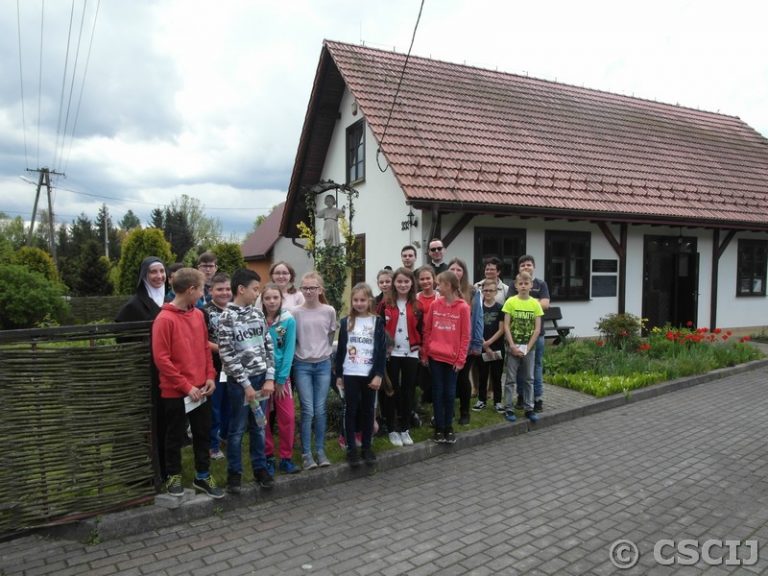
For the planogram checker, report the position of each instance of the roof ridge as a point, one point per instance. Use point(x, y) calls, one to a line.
point(655, 103)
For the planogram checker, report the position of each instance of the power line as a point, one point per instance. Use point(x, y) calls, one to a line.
point(82, 85)
point(21, 83)
point(397, 91)
point(40, 82)
point(63, 83)
point(60, 152)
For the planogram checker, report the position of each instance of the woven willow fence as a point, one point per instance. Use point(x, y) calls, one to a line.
point(75, 415)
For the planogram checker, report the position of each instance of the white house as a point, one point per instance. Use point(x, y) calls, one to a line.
point(627, 205)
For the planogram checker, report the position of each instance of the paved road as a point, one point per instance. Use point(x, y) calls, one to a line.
point(692, 464)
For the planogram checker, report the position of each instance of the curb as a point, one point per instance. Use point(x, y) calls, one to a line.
point(194, 507)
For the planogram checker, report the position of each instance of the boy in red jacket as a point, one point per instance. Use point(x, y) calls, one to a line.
point(184, 362)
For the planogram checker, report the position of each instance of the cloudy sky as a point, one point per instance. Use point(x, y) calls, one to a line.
point(208, 98)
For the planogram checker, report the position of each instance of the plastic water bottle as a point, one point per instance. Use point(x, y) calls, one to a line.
point(258, 413)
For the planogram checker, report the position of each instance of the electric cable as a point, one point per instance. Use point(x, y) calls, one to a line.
point(63, 86)
point(21, 84)
point(397, 91)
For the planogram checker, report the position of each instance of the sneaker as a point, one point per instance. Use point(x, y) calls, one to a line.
point(353, 458)
point(538, 405)
point(308, 462)
point(395, 439)
point(208, 485)
point(264, 479)
point(358, 439)
point(287, 466)
point(233, 483)
point(479, 405)
point(271, 465)
point(509, 415)
point(519, 401)
point(438, 437)
point(216, 454)
point(322, 460)
point(405, 438)
point(173, 485)
point(342, 442)
point(450, 437)
point(499, 407)
point(369, 457)
point(464, 419)
point(532, 416)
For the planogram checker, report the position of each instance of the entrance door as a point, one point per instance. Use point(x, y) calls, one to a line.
point(670, 280)
point(507, 244)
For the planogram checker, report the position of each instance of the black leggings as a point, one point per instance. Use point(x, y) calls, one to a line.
point(402, 373)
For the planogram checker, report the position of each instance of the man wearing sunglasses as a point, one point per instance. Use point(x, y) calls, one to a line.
point(437, 255)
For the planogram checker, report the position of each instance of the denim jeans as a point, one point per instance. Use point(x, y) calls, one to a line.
point(240, 419)
point(313, 380)
point(518, 368)
point(443, 393)
point(538, 372)
point(219, 414)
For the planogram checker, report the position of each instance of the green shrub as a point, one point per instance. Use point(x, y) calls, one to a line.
point(600, 385)
point(229, 257)
point(37, 260)
point(27, 298)
point(139, 244)
point(620, 330)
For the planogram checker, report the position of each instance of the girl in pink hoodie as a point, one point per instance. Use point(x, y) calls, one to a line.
point(444, 349)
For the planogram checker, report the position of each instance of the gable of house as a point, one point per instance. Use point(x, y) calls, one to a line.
point(480, 141)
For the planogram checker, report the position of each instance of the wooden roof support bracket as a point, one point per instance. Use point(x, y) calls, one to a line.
point(718, 249)
point(620, 247)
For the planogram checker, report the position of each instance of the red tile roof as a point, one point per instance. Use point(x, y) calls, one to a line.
point(259, 243)
point(492, 141)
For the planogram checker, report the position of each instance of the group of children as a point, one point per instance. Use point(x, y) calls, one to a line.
point(260, 343)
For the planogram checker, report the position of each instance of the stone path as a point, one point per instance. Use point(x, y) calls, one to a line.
point(690, 464)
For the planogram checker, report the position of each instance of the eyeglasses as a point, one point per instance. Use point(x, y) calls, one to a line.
point(436, 249)
point(490, 290)
point(207, 266)
point(309, 288)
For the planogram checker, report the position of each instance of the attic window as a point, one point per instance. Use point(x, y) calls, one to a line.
point(751, 268)
point(356, 152)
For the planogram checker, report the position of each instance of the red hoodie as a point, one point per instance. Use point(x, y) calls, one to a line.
point(181, 352)
point(447, 332)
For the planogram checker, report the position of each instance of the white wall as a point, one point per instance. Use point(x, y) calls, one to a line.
point(381, 208)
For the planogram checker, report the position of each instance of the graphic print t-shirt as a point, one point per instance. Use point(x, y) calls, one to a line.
point(359, 358)
point(491, 319)
point(523, 315)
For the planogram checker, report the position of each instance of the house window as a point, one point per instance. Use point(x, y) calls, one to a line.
point(751, 267)
point(567, 264)
point(356, 152)
point(506, 244)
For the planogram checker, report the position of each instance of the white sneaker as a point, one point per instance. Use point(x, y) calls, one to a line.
point(395, 439)
point(406, 439)
point(499, 408)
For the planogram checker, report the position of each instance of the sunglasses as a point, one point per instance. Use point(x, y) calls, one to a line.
point(436, 249)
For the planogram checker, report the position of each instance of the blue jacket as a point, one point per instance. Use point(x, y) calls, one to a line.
point(476, 337)
point(283, 333)
point(379, 348)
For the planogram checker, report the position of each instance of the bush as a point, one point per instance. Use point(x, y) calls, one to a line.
point(27, 298)
point(229, 257)
point(138, 244)
point(620, 330)
point(37, 260)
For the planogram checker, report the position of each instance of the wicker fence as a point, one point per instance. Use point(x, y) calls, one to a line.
point(89, 309)
point(76, 426)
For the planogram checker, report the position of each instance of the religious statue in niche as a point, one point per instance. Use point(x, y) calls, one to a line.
point(330, 215)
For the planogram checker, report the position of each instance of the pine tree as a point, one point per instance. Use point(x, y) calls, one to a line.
point(129, 221)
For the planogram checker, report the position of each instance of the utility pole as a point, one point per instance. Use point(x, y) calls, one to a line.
point(44, 179)
point(106, 229)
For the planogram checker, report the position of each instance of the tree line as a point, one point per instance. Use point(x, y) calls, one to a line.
point(98, 258)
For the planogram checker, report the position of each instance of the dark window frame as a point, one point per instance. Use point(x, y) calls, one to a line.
point(355, 144)
point(561, 270)
point(751, 266)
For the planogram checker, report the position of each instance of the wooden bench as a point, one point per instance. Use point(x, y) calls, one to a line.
point(553, 330)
